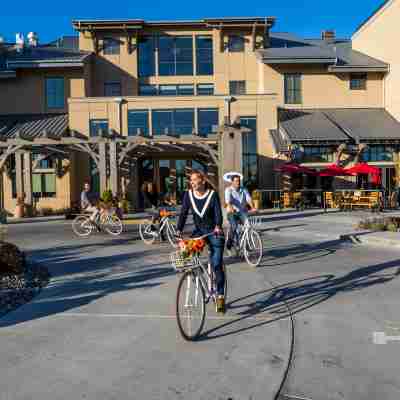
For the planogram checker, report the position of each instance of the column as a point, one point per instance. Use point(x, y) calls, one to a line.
point(114, 169)
point(28, 177)
point(102, 167)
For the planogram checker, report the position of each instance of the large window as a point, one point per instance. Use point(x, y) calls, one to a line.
point(96, 125)
point(179, 121)
point(44, 184)
point(236, 44)
point(237, 87)
point(146, 55)
point(110, 46)
point(148, 90)
point(249, 152)
point(205, 89)
point(55, 96)
point(204, 55)
point(138, 122)
point(207, 120)
point(112, 89)
point(176, 90)
point(358, 81)
point(318, 154)
point(377, 153)
point(293, 89)
point(175, 55)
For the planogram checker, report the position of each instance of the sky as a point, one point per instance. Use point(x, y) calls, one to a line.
point(306, 18)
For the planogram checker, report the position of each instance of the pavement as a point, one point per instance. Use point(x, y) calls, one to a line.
point(301, 324)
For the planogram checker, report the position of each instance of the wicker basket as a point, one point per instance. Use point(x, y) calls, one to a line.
point(179, 262)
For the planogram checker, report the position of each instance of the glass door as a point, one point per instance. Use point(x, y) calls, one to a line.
point(181, 180)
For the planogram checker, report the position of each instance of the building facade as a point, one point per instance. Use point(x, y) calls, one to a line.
point(145, 102)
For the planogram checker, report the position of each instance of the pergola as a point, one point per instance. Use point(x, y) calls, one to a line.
point(115, 156)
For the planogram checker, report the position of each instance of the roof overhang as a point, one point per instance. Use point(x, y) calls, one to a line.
point(83, 25)
point(299, 60)
point(357, 68)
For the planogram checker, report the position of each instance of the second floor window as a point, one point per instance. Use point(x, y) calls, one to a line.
point(318, 154)
point(377, 153)
point(204, 55)
point(358, 81)
point(207, 120)
point(146, 56)
point(175, 55)
point(293, 89)
point(138, 122)
point(110, 46)
point(148, 90)
point(236, 44)
point(55, 95)
point(112, 89)
point(179, 121)
point(237, 87)
point(205, 89)
point(96, 125)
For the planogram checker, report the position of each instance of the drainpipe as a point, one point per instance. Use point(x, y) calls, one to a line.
point(119, 101)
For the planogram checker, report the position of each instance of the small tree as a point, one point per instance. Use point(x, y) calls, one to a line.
point(107, 196)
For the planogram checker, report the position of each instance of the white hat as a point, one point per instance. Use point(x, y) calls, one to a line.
point(229, 175)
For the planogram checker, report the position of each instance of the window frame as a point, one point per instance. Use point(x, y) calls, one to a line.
point(109, 83)
point(115, 47)
point(57, 105)
point(358, 81)
point(98, 120)
point(205, 94)
point(233, 90)
point(201, 125)
point(202, 50)
point(173, 121)
point(293, 95)
point(152, 56)
point(318, 154)
point(233, 47)
point(155, 87)
point(146, 129)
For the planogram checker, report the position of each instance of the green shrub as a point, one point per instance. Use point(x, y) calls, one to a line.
point(107, 196)
point(46, 211)
point(392, 227)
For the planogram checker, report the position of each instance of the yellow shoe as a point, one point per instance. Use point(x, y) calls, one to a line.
point(221, 305)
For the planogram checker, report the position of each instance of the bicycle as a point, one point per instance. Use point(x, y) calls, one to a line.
point(107, 221)
point(200, 289)
point(149, 232)
point(249, 245)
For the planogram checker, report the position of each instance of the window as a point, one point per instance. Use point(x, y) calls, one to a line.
point(44, 185)
point(318, 154)
point(47, 163)
point(249, 153)
point(293, 89)
point(237, 87)
point(138, 121)
point(377, 153)
point(180, 121)
point(110, 46)
point(205, 89)
point(55, 95)
point(96, 125)
point(207, 119)
point(176, 90)
point(148, 90)
point(112, 89)
point(358, 81)
point(175, 55)
point(236, 44)
point(204, 55)
point(146, 56)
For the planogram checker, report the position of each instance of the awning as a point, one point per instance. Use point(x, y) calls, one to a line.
point(334, 170)
point(296, 169)
point(363, 169)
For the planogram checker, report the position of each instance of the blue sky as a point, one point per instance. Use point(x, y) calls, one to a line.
point(307, 18)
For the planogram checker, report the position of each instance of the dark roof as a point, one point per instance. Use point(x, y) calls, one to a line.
point(339, 124)
point(379, 8)
point(66, 42)
point(45, 56)
point(309, 125)
point(33, 125)
point(281, 145)
point(286, 48)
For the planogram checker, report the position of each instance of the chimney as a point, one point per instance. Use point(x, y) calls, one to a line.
point(33, 39)
point(19, 42)
point(328, 36)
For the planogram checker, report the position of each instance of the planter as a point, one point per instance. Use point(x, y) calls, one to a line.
point(3, 217)
point(19, 211)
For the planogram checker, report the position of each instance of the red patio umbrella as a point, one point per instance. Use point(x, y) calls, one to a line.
point(296, 169)
point(334, 170)
point(363, 169)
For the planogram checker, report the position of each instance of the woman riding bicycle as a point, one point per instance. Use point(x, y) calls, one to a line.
point(237, 200)
point(207, 216)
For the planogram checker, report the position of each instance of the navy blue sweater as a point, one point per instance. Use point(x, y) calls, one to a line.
point(206, 212)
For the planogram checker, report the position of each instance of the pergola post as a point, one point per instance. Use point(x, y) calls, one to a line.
point(19, 173)
point(103, 166)
point(28, 178)
point(114, 169)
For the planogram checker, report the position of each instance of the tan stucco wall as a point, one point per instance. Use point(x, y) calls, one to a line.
point(26, 94)
point(378, 38)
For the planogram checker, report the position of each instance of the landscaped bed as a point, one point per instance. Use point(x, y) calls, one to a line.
point(391, 224)
point(20, 280)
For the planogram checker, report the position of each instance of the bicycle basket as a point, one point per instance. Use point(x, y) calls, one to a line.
point(179, 262)
point(255, 221)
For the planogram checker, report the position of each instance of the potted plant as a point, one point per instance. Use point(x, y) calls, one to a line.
point(20, 207)
point(256, 197)
point(3, 216)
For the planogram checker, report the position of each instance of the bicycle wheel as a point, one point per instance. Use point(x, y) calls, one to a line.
point(146, 232)
point(82, 226)
point(171, 235)
point(190, 306)
point(113, 225)
point(253, 249)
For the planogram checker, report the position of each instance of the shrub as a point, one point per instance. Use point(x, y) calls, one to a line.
point(125, 206)
point(46, 211)
point(392, 227)
point(12, 260)
point(107, 196)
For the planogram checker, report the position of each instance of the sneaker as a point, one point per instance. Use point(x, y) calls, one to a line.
point(221, 304)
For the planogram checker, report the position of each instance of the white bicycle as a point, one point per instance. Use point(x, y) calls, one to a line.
point(247, 241)
point(149, 231)
point(107, 221)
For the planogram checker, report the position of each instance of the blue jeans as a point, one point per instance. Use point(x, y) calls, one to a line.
point(234, 220)
point(216, 246)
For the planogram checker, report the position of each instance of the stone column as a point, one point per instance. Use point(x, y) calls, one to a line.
point(114, 169)
point(28, 178)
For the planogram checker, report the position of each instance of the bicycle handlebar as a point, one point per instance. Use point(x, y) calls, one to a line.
point(196, 238)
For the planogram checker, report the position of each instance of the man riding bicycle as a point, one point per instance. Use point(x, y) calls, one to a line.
point(207, 216)
point(237, 200)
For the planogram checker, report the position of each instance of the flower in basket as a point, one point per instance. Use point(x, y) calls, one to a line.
point(191, 247)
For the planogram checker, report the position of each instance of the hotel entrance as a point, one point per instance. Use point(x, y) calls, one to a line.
point(169, 178)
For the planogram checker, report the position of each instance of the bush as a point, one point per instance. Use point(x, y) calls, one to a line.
point(12, 260)
point(107, 196)
point(45, 211)
point(392, 227)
